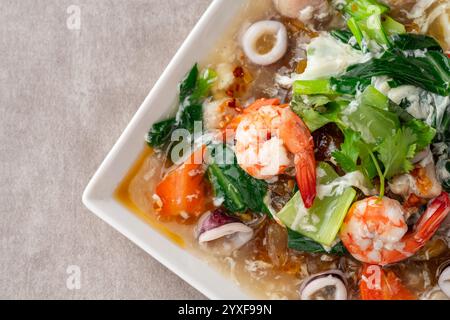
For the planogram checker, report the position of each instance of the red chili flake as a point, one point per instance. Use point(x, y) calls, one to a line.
point(230, 93)
point(232, 103)
point(238, 72)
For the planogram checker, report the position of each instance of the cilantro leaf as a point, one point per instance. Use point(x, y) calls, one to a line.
point(396, 152)
point(348, 156)
point(355, 154)
point(424, 133)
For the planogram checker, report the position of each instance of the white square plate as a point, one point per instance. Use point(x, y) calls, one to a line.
point(99, 194)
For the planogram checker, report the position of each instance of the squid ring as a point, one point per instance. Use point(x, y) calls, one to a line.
point(258, 30)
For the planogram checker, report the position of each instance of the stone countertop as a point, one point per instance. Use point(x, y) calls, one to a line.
point(65, 97)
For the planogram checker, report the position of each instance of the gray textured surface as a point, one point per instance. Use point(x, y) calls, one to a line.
point(65, 97)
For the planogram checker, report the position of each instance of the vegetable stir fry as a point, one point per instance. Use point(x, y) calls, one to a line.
point(317, 152)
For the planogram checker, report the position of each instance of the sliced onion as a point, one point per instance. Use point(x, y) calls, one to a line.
point(318, 282)
point(221, 234)
point(258, 30)
point(214, 220)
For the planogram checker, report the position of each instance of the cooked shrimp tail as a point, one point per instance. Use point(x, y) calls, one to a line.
point(430, 221)
point(299, 141)
point(306, 178)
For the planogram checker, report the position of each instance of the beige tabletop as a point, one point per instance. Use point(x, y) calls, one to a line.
point(66, 94)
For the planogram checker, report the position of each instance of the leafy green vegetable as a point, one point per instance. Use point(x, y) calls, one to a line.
point(316, 111)
point(372, 97)
point(160, 133)
point(369, 163)
point(347, 156)
point(193, 90)
point(372, 120)
point(400, 112)
point(396, 152)
point(411, 59)
point(373, 29)
point(192, 94)
point(413, 41)
point(357, 33)
point(349, 85)
point(355, 155)
point(300, 243)
point(424, 134)
point(189, 116)
point(240, 191)
point(430, 72)
point(367, 20)
point(187, 86)
point(223, 187)
point(392, 27)
point(363, 9)
point(203, 85)
point(308, 87)
point(345, 36)
point(322, 221)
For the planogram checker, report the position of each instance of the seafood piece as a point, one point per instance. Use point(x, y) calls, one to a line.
point(422, 181)
point(270, 139)
point(265, 42)
point(375, 230)
point(222, 234)
point(329, 285)
point(304, 10)
point(378, 284)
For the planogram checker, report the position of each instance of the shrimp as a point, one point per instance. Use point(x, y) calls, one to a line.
point(379, 284)
point(270, 138)
point(375, 230)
